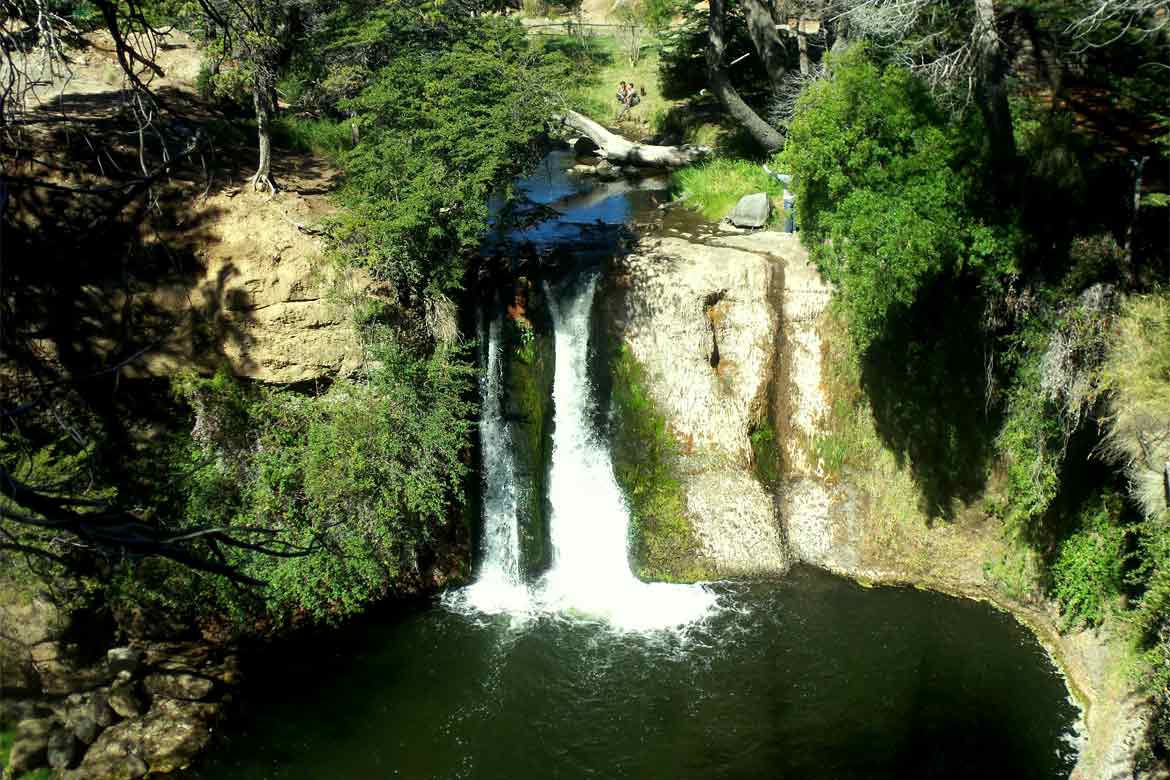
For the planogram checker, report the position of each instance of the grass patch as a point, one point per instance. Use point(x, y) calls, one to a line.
point(646, 459)
point(714, 188)
point(603, 65)
point(320, 136)
point(7, 737)
point(766, 454)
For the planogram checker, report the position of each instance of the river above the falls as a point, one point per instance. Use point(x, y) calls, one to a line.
point(810, 677)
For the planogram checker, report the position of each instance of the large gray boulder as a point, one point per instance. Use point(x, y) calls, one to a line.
point(85, 728)
point(123, 659)
point(752, 211)
point(101, 712)
point(178, 685)
point(124, 699)
point(164, 740)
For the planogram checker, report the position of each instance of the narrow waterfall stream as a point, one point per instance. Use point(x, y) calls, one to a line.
point(499, 586)
point(590, 522)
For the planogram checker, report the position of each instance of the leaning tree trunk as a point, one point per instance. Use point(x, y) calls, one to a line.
point(992, 95)
point(764, 134)
point(765, 37)
point(802, 45)
point(265, 108)
point(623, 151)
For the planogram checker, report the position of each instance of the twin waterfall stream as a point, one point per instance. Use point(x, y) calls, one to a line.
point(590, 575)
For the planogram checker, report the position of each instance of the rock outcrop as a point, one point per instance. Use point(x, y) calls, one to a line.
point(145, 709)
point(703, 320)
point(265, 302)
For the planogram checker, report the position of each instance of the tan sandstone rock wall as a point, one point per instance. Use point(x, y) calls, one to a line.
point(267, 303)
point(702, 317)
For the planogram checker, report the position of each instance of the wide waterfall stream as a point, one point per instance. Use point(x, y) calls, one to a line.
point(586, 672)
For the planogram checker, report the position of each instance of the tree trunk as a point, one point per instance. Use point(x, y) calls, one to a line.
point(991, 93)
point(1050, 65)
point(763, 133)
point(262, 97)
point(762, 29)
point(1127, 275)
point(626, 152)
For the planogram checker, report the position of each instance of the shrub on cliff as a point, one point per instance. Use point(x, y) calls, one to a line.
point(356, 483)
point(883, 180)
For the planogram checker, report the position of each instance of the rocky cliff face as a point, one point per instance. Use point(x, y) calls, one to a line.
point(265, 302)
point(702, 317)
point(732, 330)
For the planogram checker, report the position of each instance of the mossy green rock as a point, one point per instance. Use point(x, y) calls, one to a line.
point(529, 382)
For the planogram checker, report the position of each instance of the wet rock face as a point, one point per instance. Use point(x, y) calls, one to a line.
point(699, 319)
point(702, 320)
point(528, 361)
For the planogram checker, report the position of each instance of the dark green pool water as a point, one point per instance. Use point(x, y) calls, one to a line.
point(808, 678)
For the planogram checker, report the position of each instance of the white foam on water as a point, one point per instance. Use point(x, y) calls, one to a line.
point(590, 577)
point(499, 586)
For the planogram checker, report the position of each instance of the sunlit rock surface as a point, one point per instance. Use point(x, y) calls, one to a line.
point(703, 320)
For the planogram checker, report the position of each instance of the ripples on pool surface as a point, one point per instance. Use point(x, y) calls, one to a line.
point(811, 678)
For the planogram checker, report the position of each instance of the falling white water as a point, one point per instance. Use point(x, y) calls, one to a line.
point(590, 577)
point(590, 572)
point(499, 586)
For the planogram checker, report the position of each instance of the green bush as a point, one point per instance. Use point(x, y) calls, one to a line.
point(363, 477)
point(1089, 570)
point(441, 130)
point(1031, 446)
point(716, 186)
point(882, 176)
point(321, 136)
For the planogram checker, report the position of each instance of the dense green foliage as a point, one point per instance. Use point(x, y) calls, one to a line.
point(885, 179)
point(441, 129)
point(363, 477)
point(1089, 569)
point(714, 188)
point(993, 346)
point(646, 463)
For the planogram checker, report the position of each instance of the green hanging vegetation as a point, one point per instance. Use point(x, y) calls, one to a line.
point(646, 459)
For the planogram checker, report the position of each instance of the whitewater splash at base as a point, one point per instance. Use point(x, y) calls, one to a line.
point(499, 586)
point(590, 576)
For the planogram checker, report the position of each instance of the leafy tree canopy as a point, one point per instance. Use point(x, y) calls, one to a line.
point(884, 180)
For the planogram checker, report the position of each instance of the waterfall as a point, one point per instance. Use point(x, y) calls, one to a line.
point(590, 575)
point(590, 572)
point(499, 586)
